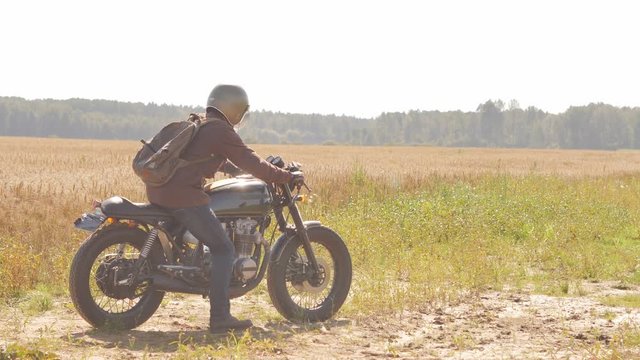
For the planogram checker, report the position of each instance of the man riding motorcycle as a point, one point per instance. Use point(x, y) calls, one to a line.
point(184, 196)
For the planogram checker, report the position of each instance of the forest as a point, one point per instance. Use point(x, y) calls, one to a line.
point(493, 124)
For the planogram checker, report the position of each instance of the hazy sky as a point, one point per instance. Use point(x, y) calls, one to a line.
point(352, 57)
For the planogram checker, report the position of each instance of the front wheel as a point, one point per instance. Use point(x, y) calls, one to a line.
point(297, 293)
point(98, 275)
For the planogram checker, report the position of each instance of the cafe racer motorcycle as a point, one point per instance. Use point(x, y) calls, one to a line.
point(137, 252)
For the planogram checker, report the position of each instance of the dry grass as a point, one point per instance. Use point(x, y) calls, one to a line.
point(47, 183)
point(63, 163)
point(397, 162)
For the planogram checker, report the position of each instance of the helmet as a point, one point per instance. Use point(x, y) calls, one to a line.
point(231, 100)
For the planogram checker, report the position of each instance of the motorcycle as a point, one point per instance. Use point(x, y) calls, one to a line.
point(137, 252)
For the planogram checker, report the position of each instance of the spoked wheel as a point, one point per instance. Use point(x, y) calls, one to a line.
point(103, 281)
point(300, 294)
point(111, 271)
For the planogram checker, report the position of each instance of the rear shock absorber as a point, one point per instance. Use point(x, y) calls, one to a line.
point(148, 244)
point(132, 279)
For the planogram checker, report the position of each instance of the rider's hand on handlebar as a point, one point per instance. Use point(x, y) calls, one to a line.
point(294, 166)
point(297, 181)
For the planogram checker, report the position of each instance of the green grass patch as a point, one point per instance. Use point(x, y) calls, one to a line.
point(457, 237)
point(36, 301)
point(631, 337)
point(629, 300)
point(17, 351)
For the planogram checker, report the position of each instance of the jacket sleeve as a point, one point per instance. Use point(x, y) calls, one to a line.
point(229, 145)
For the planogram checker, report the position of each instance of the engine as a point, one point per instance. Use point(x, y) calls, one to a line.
point(245, 236)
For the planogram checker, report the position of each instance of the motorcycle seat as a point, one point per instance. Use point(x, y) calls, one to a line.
point(121, 207)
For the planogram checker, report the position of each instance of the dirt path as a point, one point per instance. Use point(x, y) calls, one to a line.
point(496, 325)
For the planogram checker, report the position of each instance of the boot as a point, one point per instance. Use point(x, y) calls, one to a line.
point(230, 323)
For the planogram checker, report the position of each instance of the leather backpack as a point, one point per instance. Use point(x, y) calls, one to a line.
point(159, 159)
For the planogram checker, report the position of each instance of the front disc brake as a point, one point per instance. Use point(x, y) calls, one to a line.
point(319, 281)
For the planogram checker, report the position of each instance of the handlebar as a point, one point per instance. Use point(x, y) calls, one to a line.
point(278, 162)
point(293, 167)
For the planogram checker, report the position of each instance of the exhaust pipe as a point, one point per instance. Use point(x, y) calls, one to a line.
point(163, 282)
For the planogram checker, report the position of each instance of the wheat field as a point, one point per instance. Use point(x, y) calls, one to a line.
point(46, 183)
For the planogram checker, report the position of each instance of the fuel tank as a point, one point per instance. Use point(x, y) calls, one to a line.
point(241, 196)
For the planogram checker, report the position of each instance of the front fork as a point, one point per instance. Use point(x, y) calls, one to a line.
point(301, 229)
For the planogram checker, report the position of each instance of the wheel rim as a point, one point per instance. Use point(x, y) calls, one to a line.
point(310, 294)
point(101, 272)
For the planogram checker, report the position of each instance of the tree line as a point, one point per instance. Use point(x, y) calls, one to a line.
point(493, 124)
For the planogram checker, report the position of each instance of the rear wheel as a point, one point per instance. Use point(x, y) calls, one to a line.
point(98, 279)
point(300, 295)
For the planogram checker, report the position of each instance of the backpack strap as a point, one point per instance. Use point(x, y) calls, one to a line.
point(199, 121)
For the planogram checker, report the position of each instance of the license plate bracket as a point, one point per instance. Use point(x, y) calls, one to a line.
point(90, 221)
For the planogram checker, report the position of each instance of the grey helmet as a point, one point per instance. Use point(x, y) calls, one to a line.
point(231, 100)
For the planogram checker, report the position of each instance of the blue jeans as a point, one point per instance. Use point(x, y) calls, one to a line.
point(204, 225)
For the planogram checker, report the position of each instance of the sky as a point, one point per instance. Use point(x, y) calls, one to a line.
point(357, 58)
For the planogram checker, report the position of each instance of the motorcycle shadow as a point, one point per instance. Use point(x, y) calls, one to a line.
point(172, 340)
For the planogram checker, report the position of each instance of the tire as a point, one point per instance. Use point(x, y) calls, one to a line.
point(80, 279)
point(324, 241)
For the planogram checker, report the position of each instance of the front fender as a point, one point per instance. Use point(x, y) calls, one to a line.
point(278, 246)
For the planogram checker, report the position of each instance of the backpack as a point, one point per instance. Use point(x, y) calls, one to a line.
point(158, 160)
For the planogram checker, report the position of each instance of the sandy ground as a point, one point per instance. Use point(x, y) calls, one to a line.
point(495, 325)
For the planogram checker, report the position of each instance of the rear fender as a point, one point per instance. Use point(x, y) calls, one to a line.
point(283, 240)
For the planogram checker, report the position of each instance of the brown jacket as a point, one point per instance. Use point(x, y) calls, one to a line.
point(216, 137)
